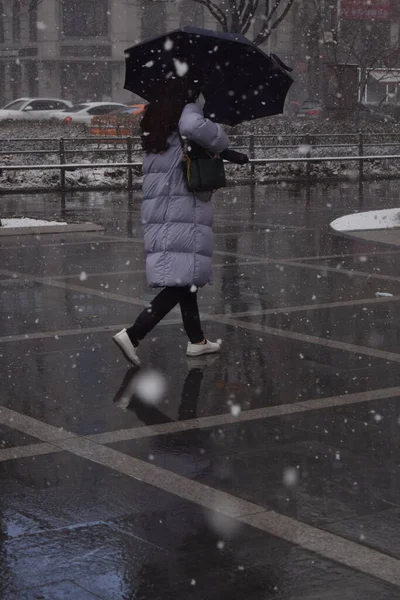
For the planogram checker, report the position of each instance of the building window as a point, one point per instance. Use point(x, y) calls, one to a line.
point(1, 23)
point(86, 81)
point(33, 19)
point(85, 18)
point(16, 21)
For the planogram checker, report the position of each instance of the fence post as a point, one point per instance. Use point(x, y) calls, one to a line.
point(308, 141)
point(252, 155)
point(129, 156)
point(361, 153)
point(62, 162)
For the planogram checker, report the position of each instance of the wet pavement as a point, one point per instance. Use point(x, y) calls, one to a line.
point(270, 471)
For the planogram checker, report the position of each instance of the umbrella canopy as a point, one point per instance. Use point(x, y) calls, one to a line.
point(241, 82)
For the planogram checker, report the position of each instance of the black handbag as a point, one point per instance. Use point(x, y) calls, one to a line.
point(204, 172)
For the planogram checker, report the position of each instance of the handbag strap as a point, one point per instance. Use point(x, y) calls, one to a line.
point(186, 150)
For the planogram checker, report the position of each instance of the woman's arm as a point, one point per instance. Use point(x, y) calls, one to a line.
point(195, 127)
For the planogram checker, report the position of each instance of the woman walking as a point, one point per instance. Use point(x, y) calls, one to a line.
point(178, 237)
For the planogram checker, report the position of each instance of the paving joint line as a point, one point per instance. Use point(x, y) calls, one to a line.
point(227, 320)
point(133, 271)
point(310, 339)
point(325, 544)
point(205, 317)
point(267, 412)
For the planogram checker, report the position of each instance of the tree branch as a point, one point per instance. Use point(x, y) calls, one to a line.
point(216, 12)
point(248, 15)
point(266, 30)
point(283, 15)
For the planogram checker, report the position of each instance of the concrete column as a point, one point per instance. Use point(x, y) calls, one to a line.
point(174, 12)
point(49, 38)
point(7, 84)
point(49, 79)
point(24, 79)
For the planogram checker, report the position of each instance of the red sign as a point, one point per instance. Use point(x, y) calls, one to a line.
point(366, 10)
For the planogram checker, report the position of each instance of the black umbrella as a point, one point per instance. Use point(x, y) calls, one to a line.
point(241, 82)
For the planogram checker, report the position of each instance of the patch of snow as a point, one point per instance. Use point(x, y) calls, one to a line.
point(388, 218)
point(26, 222)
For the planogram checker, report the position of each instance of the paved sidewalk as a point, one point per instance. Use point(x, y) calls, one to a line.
point(270, 471)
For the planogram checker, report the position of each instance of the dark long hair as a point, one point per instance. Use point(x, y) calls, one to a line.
point(162, 115)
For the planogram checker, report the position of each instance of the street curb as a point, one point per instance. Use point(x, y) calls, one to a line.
point(72, 228)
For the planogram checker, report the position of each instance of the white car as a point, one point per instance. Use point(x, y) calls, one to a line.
point(83, 113)
point(33, 108)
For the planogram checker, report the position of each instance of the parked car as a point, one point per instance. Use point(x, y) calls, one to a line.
point(122, 122)
point(83, 113)
point(33, 108)
point(310, 108)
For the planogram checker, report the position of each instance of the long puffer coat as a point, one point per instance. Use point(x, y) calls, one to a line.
point(178, 235)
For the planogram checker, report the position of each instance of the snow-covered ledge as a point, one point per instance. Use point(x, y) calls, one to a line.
point(376, 226)
point(389, 218)
point(27, 226)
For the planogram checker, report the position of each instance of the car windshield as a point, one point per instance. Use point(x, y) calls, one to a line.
point(16, 105)
point(76, 108)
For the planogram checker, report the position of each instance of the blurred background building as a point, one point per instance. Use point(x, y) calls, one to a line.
point(74, 49)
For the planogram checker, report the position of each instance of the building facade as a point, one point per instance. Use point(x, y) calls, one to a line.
point(74, 49)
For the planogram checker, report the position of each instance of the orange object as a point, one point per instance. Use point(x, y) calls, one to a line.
point(121, 123)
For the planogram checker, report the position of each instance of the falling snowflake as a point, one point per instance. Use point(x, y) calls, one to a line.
point(219, 520)
point(83, 276)
point(236, 410)
point(150, 386)
point(193, 289)
point(181, 67)
point(290, 476)
point(168, 44)
point(41, 26)
point(304, 149)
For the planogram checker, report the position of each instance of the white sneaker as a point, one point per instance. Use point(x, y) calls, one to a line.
point(127, 348)
point(199, 349)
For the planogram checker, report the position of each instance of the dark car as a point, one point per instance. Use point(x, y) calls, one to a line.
point(374, 115)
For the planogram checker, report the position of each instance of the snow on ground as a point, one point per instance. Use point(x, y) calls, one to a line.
point(26, 222)
point(285, 131)
point(371, 220)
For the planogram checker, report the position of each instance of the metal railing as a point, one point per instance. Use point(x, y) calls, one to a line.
point(130, 166)
point(131, 148)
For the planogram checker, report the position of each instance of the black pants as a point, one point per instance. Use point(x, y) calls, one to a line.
point(162, 304)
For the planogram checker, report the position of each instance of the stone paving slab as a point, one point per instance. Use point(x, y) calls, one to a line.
point(387, 236)
point(139, 518)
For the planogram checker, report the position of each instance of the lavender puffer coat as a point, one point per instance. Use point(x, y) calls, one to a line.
point(178, 237)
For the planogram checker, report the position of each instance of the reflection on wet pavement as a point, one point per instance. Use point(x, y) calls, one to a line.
point(117, 498)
